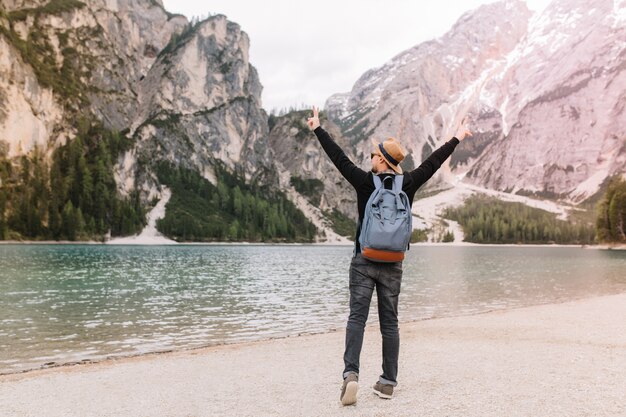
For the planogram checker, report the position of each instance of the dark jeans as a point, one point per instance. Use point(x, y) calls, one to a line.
point(366, 275)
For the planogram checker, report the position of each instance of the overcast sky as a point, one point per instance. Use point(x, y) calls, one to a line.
point(306, 51)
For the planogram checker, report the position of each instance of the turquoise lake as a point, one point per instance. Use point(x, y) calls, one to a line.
point(67, 303)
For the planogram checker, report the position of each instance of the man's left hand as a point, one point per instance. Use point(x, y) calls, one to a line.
point(462, 131)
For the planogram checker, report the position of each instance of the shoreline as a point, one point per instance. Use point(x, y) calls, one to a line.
point(484, 364)
point(157, 353)
point(417, 244)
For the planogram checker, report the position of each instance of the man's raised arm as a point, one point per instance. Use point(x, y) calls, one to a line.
point(426, 170)
point(346, 167)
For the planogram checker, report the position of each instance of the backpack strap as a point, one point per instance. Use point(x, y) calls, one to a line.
point(356, 240)
point(397, 189)
point(377, 181)
point(398, 183)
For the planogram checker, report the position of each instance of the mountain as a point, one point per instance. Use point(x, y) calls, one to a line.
point(126, 95)
point(562, 105)
point(421, 94)
point(107, 107)
point(545, 94)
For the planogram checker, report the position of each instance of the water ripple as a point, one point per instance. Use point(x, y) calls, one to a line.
point(65, 303)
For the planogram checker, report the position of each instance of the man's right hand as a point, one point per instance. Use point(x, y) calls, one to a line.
point(314, 122)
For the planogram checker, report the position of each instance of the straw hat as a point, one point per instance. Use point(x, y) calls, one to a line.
point(391, 151)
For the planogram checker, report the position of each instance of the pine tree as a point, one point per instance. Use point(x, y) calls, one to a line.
point(80, 223)
point(233, 231)
point(3, 224)
point(617, 215)
point(610, 220)
point(237, 202)
point(69, 221)
point(85, 184)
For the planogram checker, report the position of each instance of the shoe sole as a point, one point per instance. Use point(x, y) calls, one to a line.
point(349, 397)
point(381, 395)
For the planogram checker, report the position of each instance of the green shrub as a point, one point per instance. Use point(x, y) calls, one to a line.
point(312, 188)
point(53, 7)
point(419, 235)
point(341, 224)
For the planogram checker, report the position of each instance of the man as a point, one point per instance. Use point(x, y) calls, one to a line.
point(365, 275)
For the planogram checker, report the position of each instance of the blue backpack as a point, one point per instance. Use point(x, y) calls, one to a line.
point(387, 223)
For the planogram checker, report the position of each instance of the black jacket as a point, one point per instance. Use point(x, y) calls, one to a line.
point(363, 181)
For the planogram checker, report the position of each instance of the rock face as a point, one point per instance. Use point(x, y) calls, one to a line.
point(200, 104)
point(28, 112)
point(305, 169)
point(130, 34)
point(545, 95)
point(561, 98)
point(101, 50)
point(184, 91)
point(422, 93)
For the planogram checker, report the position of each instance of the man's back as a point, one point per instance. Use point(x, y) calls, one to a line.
point(363, 181)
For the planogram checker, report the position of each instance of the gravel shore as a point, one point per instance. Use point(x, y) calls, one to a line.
point(551, 360)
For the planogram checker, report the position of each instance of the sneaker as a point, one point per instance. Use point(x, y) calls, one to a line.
point(349, 389)
point(383, 390)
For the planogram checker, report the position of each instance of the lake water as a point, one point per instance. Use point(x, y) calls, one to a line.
point(66, 303)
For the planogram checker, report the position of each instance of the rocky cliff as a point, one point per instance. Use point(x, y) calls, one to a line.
point(200, 104)
point(545, 95)
point(185, 90)
point(62, 58)
point(183, 94)
point(560, 97)
point(422, 93)
point(308, 175)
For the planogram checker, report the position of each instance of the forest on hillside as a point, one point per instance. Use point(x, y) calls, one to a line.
point(489, 220)
point(73, 196)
